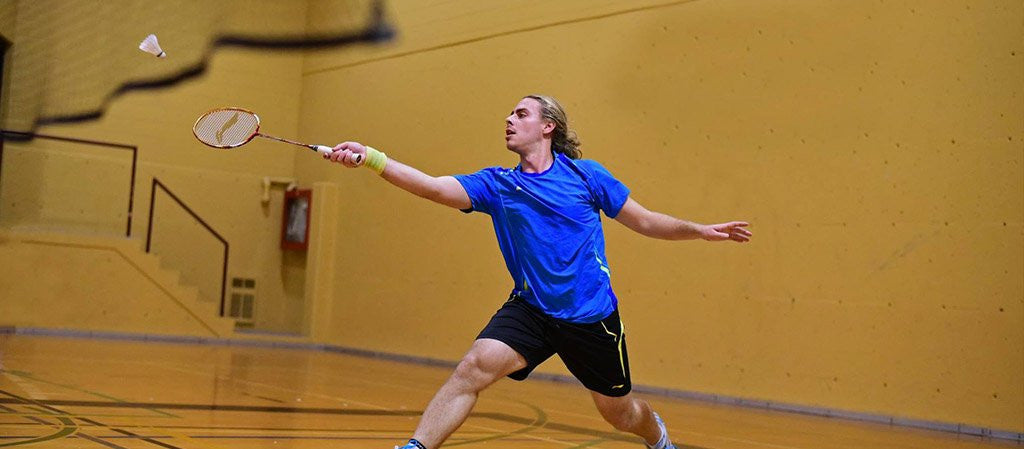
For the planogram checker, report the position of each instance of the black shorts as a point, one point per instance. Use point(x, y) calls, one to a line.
point(593, 352)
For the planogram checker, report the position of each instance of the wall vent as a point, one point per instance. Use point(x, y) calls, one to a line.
point(242, 305)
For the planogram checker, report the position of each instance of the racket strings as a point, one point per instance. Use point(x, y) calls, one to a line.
point(227, 127)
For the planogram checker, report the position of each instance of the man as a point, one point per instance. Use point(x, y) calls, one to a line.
point(546, 216)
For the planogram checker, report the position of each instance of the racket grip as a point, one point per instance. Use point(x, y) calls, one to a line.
point(323, 149)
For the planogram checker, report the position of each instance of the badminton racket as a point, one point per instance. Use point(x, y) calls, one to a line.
point(234, 127)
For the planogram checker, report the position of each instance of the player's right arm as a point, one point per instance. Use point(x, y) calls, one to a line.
point(444, 190)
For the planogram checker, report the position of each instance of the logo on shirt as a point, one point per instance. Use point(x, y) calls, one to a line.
point(604, 267)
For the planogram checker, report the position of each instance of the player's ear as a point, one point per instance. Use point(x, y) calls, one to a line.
point(549, 127)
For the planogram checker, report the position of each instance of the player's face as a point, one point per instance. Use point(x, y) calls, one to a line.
point(525, 127)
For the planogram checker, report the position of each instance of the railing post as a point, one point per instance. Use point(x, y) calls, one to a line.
point(152, 205)
point(149, 234)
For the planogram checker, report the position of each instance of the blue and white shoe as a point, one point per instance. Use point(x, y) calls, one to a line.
point(412, 444)
point(664, 442)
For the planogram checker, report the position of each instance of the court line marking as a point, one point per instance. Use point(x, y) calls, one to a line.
point(741, 440)
point(32, 420)
point(540, 420)
point(132, 434)
point(467, 423)
point(63, 417)
point(238, 428)
point(99, 440)
point(498, 398)
point(76, 415)
point(537, 423)
point(589, 443)
point(330, 378)
point(313, 433)
point(222, 377)
point(618, 436)
point(497, 433)
point(69, 428)
point(332, 398)
point(34, 378)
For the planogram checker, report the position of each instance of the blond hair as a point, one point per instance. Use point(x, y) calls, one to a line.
point(563, 139)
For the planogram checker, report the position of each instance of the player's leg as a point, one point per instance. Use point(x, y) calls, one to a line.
point(596, 354)
point(634, 415)
point(512, 344)
point(487, 361)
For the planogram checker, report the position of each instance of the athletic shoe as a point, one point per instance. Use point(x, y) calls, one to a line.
point(664, 442)
point(412, 444)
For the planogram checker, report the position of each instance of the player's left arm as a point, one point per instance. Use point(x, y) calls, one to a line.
point(661, 226)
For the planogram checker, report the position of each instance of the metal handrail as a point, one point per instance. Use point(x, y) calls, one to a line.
point(20, 136)
point(149, 232)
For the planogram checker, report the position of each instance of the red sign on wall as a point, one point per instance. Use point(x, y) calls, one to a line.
point(295, 225)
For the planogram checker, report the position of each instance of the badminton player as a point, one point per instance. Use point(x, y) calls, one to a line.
point(546, 214)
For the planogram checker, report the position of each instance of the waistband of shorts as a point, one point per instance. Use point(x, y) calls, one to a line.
point(514, 296)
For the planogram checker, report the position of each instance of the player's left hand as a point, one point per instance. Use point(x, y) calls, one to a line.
point(733, 230)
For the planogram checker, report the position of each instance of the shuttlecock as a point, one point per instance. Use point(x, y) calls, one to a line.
point(150, 45)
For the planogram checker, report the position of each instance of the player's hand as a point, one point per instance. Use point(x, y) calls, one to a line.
point(733, 230)
point(350, 154)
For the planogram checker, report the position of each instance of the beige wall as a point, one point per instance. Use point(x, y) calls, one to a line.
point(876, 147)
point(73, 187)
point(95, 283)
point(8, 14)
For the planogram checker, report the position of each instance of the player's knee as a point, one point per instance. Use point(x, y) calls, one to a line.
point(472, 371)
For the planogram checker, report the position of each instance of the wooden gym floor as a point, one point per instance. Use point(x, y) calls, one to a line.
point(90, 393)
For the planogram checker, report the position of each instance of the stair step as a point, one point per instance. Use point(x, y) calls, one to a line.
point(206, 310)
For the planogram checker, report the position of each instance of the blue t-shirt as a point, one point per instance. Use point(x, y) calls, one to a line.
point(549, 229)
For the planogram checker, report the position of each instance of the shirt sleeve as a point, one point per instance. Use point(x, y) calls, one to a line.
point(480, 187)
point(610, 193)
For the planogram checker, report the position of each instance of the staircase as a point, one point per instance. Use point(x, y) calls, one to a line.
point(98, 283)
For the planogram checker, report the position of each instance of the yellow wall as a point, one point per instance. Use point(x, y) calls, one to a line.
point(8, 13)
point(876, 146)
point(78, 188)
point(43, 185)
point(90, 283)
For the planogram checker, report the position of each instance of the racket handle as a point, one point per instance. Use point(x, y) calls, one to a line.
point(323, 149)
